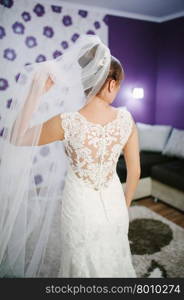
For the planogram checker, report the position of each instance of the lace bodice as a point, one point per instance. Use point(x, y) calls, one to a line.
point(93, 149)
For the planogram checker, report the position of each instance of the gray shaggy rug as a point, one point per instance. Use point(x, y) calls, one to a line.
point(157, 244)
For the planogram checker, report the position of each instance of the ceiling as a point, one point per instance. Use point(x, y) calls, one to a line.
point(153, 10)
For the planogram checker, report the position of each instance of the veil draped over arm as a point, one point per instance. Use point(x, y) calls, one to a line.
point(32, 176)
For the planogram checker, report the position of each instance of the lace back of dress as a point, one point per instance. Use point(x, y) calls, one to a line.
point(93, 149)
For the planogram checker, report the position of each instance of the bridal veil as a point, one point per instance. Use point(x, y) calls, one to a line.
point(31, 176)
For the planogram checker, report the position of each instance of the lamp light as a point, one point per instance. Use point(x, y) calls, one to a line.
point(138, 93)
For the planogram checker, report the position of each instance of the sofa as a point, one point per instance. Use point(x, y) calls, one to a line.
point(162, 164)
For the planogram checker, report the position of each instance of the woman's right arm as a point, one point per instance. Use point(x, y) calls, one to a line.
point(51, 129)
point(132, 160)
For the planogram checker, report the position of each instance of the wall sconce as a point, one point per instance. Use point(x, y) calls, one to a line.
point(138, 93)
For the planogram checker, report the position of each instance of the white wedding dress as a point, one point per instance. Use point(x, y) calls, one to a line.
point(94, 215)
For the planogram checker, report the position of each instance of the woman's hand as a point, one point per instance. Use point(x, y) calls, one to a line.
point(48, 84)
point(128, 203)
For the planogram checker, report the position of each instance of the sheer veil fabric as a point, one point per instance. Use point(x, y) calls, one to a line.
point(31, 187)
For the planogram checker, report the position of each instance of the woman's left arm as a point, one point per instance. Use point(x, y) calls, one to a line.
point(132, 160)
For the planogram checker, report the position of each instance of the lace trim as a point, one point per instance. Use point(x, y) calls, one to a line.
point(97, 124)
point(93, 149)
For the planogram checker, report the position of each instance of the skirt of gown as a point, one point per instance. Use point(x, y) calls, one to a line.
point(94, 231)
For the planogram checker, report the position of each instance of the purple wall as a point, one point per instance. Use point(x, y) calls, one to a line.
point(134, 43)
point(141, 47)
point(170, 75)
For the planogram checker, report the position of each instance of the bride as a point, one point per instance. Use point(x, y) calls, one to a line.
point(63, 107)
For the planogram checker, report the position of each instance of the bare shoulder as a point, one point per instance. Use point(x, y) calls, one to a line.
point(133, 139)
point(52, 131)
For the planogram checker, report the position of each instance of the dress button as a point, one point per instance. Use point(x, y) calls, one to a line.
point(96, 189)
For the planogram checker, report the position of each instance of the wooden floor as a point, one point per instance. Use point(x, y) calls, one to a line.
point(163, 209)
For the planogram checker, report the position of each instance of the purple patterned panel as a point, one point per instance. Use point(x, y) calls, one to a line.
point(18, 28)
point(26, 16)
point(7, 3)
point(64, 44)
point(2, 32)
point(90, 32)
point(38, 179)
point(40, 58)
point(56, 9)
point(56, 53)
point(30, 41)
point(97, 25)
point(39, 10)
point(83, 13)
point(48, 31)
point(3, 84)
point(9, 54)
point(74, 37)
point(67, 20)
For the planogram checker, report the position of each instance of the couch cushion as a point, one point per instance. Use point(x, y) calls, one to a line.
point(153, 137)
point(175, 144)
point(171, 173)
point(147, 159)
